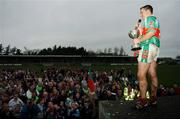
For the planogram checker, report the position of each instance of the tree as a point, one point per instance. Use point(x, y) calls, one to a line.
point(99, 51)
point(122, 52)
point(54, 50)
point(116, 51)
point(18, 52)
point(31, 52)
point(7, 50)
point(43, 52)
point(26, 51)
point(1, 49)
point(105, 50)
point(49, 51)
point(109, 50)
point(34, 51)
point(91, 53)
point(58, 50)
point(81, 51)
point(178, 57)
point(13, 50)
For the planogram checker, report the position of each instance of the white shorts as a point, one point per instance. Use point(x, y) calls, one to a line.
point(148, 53)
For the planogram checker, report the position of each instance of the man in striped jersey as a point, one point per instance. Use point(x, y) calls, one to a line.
point(149, 43)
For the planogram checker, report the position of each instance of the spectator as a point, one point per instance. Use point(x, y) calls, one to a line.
point(74, 112)
point(50, 112)
point(16, 102)
point(30, 110)
point(176, 89)
point(111, 96)
point(87, 110)
point(62, 111)
point(42, 108)
point(5, 113)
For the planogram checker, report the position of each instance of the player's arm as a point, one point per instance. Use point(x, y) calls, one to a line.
point(150, 25)
point(146, 37)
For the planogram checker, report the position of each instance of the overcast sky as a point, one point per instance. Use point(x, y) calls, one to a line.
point(93, 24)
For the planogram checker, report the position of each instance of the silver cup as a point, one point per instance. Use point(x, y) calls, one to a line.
point(134, 34)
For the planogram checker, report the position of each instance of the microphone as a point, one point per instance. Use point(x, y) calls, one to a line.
point(138, 23)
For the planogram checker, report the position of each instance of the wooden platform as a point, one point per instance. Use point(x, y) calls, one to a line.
point(168, 108)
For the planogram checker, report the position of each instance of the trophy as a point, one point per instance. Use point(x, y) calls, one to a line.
point(135, 33)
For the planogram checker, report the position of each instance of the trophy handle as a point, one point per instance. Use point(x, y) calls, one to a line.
point(136, 48)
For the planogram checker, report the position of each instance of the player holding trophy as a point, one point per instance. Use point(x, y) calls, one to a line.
point(147, 57)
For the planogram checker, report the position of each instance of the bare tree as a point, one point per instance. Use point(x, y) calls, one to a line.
point(99, 51)
point(109, 50)
point(105, 50)
point(122, 52)
point(116, 51)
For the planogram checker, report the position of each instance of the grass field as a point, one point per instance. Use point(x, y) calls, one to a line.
point(167, 74)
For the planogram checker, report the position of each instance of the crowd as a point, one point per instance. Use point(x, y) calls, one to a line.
point(64, 93)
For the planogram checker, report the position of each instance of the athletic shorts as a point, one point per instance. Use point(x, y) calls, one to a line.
point(148, 53)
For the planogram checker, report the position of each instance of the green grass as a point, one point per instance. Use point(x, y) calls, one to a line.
point(167, 74)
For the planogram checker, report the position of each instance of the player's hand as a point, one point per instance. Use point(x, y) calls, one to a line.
point(136, 41)
point(140, 29)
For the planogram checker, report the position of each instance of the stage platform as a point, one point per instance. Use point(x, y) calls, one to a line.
point(168, 108)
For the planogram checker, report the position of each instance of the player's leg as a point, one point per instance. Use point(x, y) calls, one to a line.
point(154, 80)
point(143, 67)
point(152, 57)
point(142, 72)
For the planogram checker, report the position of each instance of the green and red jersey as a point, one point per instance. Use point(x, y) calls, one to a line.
point(151, 24)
